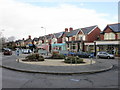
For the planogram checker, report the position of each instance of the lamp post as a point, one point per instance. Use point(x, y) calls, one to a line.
point(45, 33)
point(45, 38)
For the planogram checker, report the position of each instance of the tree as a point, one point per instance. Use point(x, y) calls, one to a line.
point(11, 38)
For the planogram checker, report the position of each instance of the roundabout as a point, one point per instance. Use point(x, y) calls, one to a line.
point(54, 62)
point(56, 66)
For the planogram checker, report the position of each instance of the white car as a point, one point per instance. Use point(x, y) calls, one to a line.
point(26, 51)
point(105, 55)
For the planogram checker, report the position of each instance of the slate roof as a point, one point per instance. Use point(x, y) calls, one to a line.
point(49, 36)
point(41, 38)
point(86, 30)
point(114, 27)
point(28, 40)
point(19, 41)
point(72, 33)
point(36, 39)
point(58, 35)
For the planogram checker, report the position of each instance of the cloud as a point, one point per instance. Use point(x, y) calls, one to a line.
point(23, 19)
point(68, 0)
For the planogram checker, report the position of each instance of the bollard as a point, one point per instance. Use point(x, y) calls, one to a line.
point(91, 61)
point(18, 60)
point(71, 61)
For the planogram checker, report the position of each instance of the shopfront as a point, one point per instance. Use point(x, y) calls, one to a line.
point(112, 47)
point(75, 46)
point(58, 47)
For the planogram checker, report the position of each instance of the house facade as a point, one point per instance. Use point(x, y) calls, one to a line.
point(110, 39)
point(57, 43)
point(82, 39)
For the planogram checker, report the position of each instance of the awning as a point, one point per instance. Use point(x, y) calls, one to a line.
point(73, 41)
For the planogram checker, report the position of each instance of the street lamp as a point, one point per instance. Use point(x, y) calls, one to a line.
point(45, 29)
point(45, 33)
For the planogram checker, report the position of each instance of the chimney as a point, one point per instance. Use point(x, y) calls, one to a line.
point(70, 29)
point(29, 36)
point(66, 29)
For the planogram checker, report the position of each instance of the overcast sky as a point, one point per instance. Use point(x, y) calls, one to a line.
point(21, 18)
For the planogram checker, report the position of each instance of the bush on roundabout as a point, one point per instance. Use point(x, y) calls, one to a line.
point(34, 57)
point(57, 56)
point(73, 60)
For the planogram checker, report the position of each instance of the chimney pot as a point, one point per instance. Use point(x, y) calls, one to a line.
point(70, 29)
point(29, 36)
point(66, 29)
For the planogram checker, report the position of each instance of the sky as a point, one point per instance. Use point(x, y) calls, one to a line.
point(21, 18)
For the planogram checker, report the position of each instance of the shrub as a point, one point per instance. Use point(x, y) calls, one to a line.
point(73, 60)
point(34, 57)
point(57, 56)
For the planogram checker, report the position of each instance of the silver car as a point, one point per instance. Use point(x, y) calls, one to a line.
point(105, 55)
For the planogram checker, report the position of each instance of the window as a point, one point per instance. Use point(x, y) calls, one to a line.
point(109, 36)
point(106, 36)
point(81, 37)
point(73, 46)
point(118, 35)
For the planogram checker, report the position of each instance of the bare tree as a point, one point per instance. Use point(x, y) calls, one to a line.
point(11, 38)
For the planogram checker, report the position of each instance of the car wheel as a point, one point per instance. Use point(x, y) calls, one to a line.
point(108, 57)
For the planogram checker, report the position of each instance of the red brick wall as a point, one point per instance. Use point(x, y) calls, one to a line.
point(59, 40)
point(108, 30)
point(93, 35)
point(116, 36)
point(101, 36)
point(73, 38)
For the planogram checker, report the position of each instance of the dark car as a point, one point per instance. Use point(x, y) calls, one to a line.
point(71, 53)
point(7, 52)
point(83, 54)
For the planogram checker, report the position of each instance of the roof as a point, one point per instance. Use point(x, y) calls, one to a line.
point(49, 36)
point(73, 32)
point(28, 40)
point(114, 27)
point(19, 41)
point(41, 38)
point(87, 30)
point(36, 39)
point(58, 35)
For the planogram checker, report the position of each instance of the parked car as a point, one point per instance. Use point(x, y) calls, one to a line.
point(83, 54)
point(105, 55)
point(26, 51)
point(7, 52)
point(71, 53)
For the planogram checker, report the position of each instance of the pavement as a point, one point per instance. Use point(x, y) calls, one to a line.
point(56, 66)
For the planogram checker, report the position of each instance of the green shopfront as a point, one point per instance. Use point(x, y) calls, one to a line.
point(59, 47)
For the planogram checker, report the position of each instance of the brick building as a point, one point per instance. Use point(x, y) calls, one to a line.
point(110, 39)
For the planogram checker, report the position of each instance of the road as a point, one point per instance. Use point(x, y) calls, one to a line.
point(15, 79)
